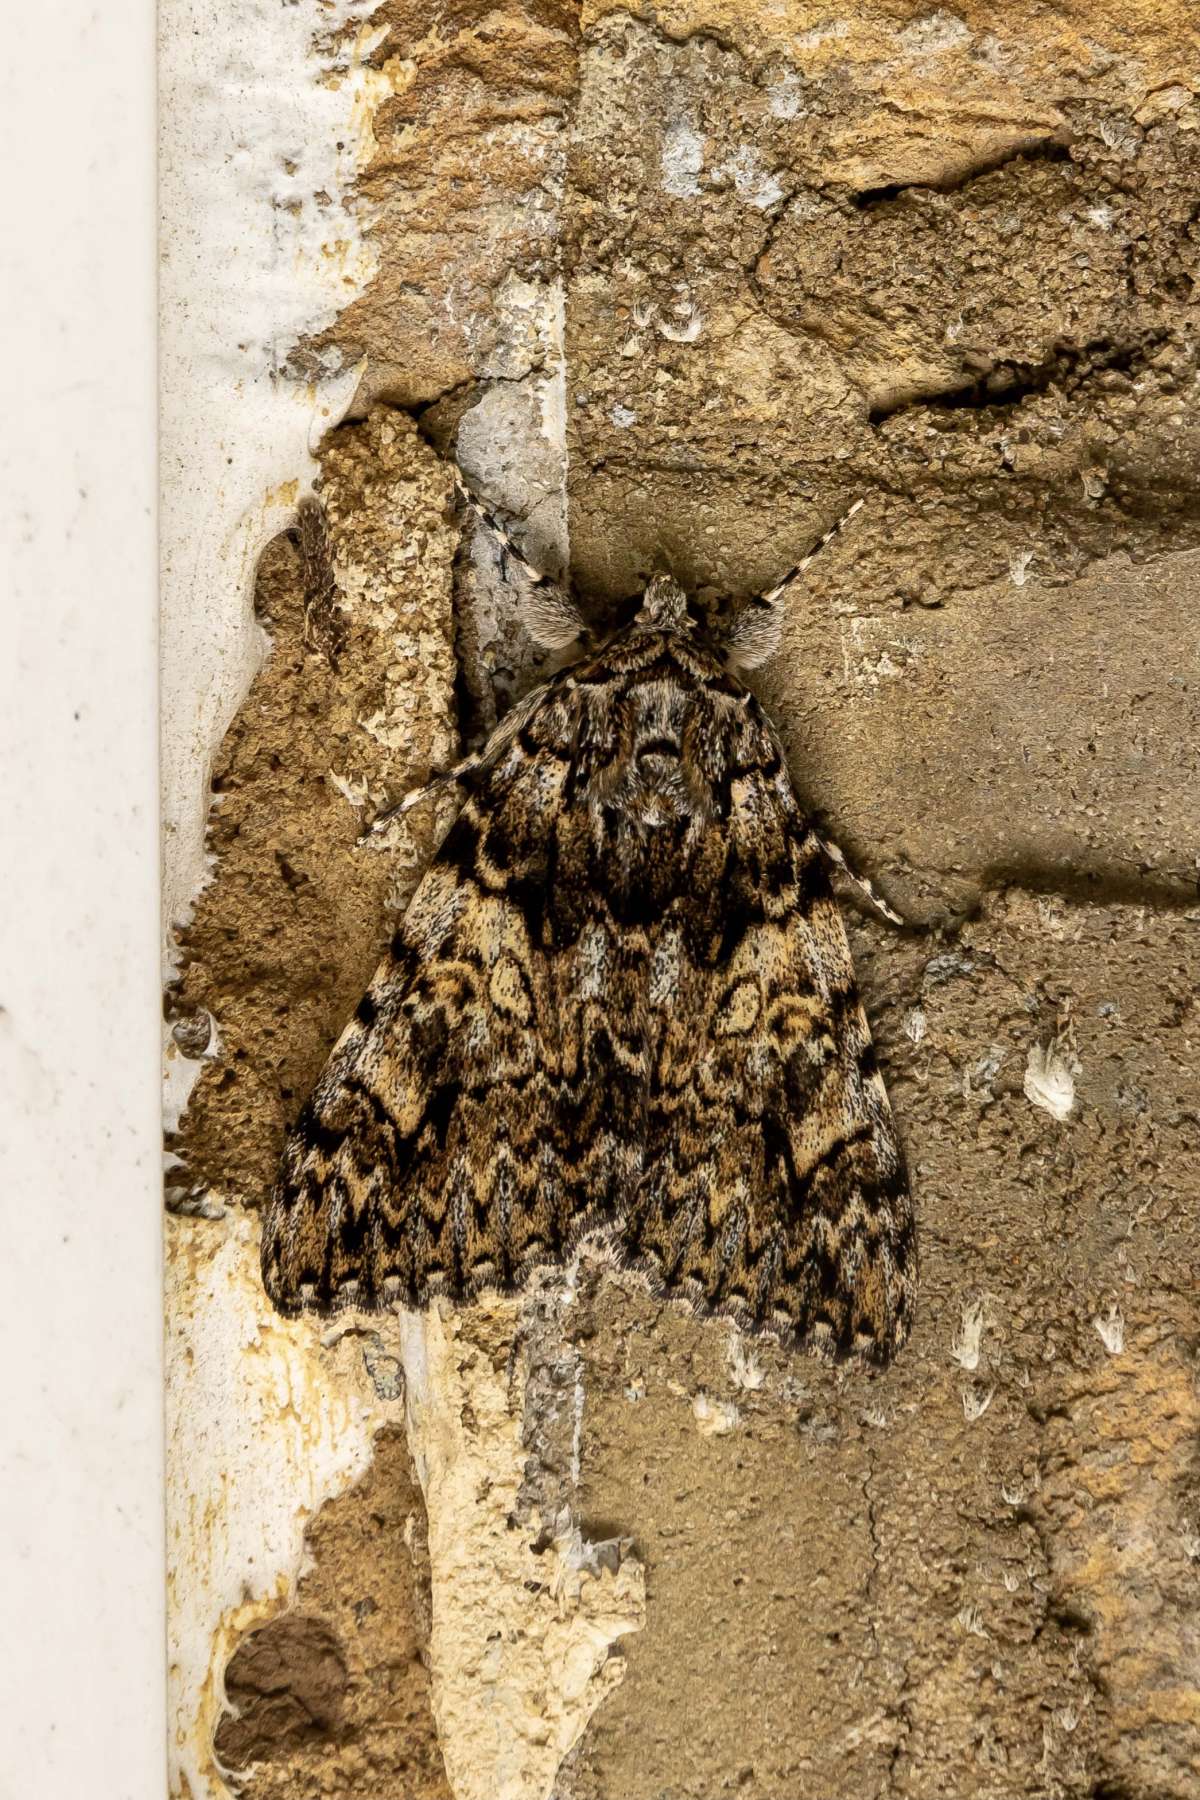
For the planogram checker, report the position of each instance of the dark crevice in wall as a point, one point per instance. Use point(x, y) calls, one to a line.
point(1047, 149)
point(1098, 883)
point(1007, 384)
point(1077, 884)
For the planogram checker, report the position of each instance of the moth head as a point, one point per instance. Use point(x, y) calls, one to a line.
point(664, 607)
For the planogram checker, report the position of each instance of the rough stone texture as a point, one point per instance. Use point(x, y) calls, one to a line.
point(463, 189)
point(945, 260)
point(975, 1575)
point(286, 937)
point(305, 1690)
point(528, 1609)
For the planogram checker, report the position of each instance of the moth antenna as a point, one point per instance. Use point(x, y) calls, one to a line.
point(837, 856)
point(549, 613)
point(757, 629)
point(443, 778)
point(508, 728)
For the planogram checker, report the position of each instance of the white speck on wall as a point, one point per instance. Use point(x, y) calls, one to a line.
point(753, 181)
point(968, 1339)
point(915, 1025)
point(355, 791)
point(1050, 1080)
point(1111, 1329)
point(682, 159)
point(934, 34)
point(975, 1404)
point(623, 416)
point(745, 1370)
point(1018, 568)
point(714, 1418)
point(685, 328)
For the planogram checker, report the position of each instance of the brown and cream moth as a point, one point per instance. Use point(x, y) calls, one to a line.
point(620, 1009)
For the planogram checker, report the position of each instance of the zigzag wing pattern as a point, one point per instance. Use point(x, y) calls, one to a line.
point(621, 1006)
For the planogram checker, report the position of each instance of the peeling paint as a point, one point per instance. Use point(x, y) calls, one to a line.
point(254, 126)
point(261, 1430)
point(522, 1631)
point(1050, 1081)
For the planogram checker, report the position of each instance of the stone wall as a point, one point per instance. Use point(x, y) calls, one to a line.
point(676, 285)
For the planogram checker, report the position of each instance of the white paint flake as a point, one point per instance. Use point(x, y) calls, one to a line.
point(685, 328)
point(1050, 1080)
point(916, 1025)
point(682, 159)
point(745, 1370)
point(714, 1418)
point(968, 1339)
point(1111, 1329)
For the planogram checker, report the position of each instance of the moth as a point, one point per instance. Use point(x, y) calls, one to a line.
point(620, 1010)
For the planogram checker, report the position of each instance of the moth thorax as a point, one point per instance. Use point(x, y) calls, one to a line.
point(664, 607)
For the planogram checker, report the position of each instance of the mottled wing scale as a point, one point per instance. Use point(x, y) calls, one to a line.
point(775, 1188)
point(621, 1007)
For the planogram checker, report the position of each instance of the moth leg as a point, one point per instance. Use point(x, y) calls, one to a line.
point(836, 856)
point(548, 612)
point(759, 626)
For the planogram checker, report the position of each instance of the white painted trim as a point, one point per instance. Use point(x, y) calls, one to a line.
point(255, 121)
point(81, 1472)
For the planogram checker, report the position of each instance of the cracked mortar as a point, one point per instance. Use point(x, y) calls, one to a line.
point(745, 264)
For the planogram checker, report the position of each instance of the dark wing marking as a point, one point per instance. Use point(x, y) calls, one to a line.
point(775, 1187)
point(422, 1163)
point(621, 1005)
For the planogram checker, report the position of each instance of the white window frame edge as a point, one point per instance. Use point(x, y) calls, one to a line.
point(81, 1449)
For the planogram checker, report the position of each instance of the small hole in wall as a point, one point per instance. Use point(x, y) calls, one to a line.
point(287, 1682)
